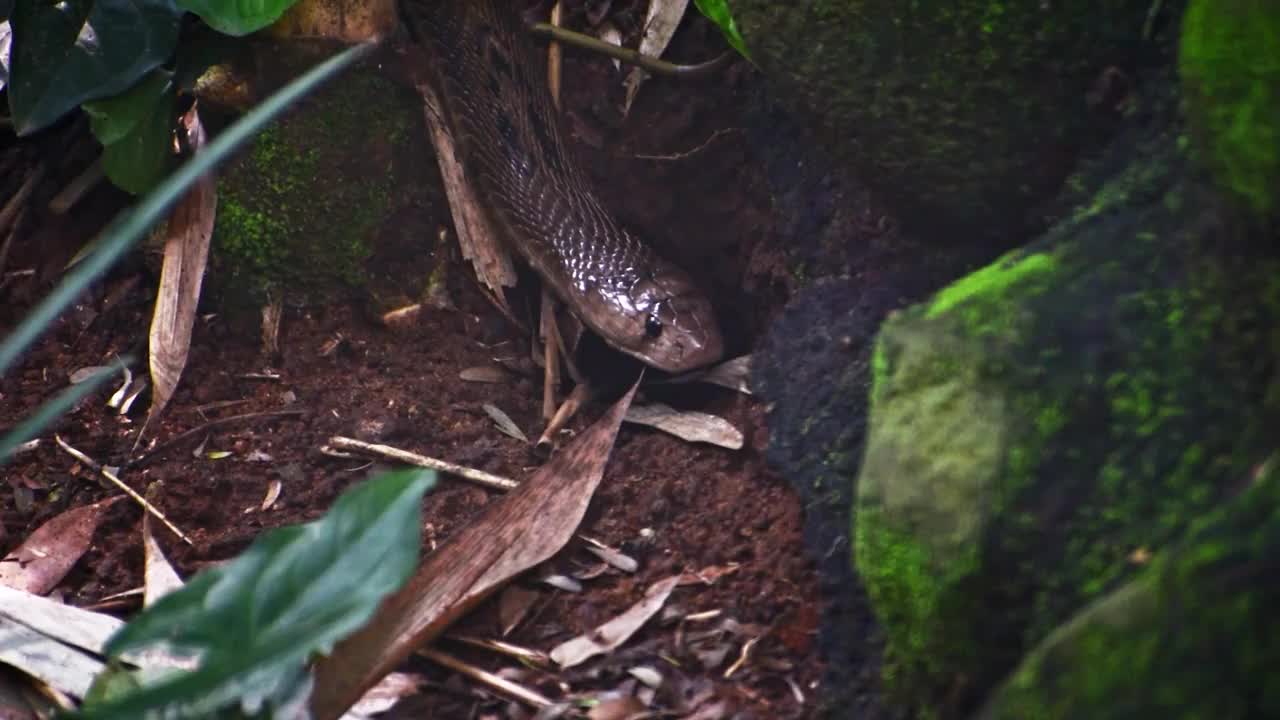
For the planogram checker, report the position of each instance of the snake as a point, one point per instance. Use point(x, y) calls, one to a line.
point(498, 110)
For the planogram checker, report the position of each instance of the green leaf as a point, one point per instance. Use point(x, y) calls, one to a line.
point(111, 119)
point(136, 132)
point(125, 230)
point(238, 17)
point(718, 12)
point(296, 591)
point(65, 53)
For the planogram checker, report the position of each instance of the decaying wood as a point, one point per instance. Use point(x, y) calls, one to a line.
point(476, 239)
point(515, 533)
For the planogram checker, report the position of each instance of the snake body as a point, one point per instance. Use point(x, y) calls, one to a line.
point(491, 85)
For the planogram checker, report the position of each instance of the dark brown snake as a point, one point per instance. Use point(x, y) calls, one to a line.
point(491, 83)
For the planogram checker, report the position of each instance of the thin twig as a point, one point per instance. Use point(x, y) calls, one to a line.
point(629, 56)
point(78, 188)
point(480, 477)
point(580, 395)
point(155, 512)
point(551, 355)
point(687, 153)
point(19, 199)
point(499, 685)
point(511, 650)
point(168, 444)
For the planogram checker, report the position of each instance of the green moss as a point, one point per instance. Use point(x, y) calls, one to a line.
point(990, 287)
point(1230, 64)
point(1192, 636)
point(300, 209)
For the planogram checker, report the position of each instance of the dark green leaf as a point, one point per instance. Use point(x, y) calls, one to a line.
point(296, 591)
point(111, 119)
point(718, 12)
point(136, 131)
point(65, 53)
point(236, 17)
point(125, 230)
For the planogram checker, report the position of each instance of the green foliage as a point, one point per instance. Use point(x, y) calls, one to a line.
point(134, 128)
point(1230, 65)
point(718, 12)
point(68, 52)
point(236, 17)
point(296, 591)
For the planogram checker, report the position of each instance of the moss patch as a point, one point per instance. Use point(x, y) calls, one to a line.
point(301, 210)
point(1230, 66)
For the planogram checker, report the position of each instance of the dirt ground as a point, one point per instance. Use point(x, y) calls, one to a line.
point(672, 505)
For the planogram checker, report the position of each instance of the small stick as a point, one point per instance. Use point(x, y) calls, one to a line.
point(580, 395)
point(511, 650)
point(155, 512)
point(19, 199)
point(687, 153)
point(501, 686)
point(168, 444)
point(629, 56)
point(480, 477)
point(554, 54)
point(78, 188)
point(550, 355)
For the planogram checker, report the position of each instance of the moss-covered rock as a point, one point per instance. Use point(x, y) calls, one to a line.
point(1230, 65)
point(1075, 405)
point(965, 114)
point(304, 210)
point(1192, 636)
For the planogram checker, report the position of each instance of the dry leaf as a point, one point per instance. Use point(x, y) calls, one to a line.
point(615, 632)
point(659, 27)
point(513, 606)
point(608, 32)
point(46, 557)
point(505, 423)
point(485, 374)
point(273, 494)
point(60, 666)
point(734, 374)
point(186, 251)
point(159, 578)
point(516, 532)
point(476, 239)
point(621, 708)
point(383, 696)
point(687, 425)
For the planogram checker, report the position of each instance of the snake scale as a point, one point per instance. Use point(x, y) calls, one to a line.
point(491, 83)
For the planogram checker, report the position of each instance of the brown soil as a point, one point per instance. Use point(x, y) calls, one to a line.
point(672, 505)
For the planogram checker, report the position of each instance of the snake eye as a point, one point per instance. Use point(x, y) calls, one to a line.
point(652, 326)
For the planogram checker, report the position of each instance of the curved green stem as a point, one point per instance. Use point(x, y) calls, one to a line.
point(629, 56)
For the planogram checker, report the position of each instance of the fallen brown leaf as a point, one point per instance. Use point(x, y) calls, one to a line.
point(515, 533)
point(186, 252)
point(616, 631)
point(39, 563)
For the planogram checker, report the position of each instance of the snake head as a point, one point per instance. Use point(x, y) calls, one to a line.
point(669, 324)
